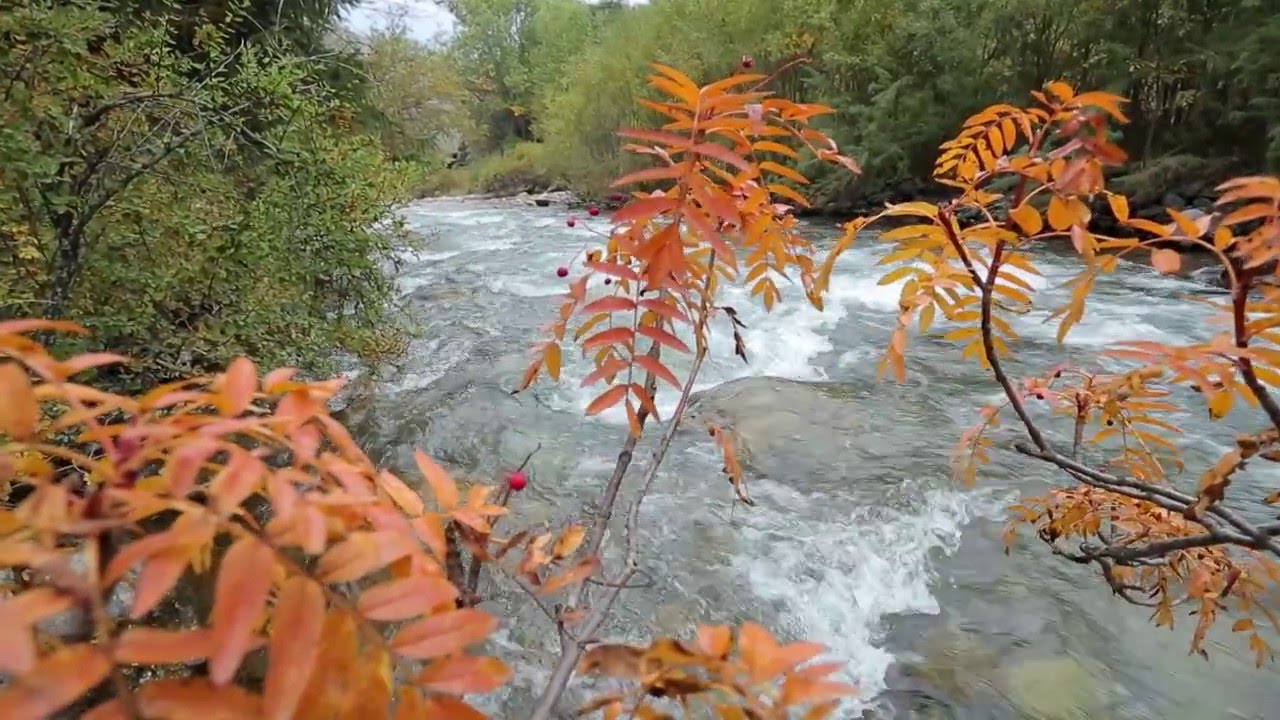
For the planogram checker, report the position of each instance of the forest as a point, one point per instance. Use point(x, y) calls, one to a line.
point(547, 81)
point(205, 219)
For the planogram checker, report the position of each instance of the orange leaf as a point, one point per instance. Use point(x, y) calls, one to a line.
point(617, 270)
point(362, 553)
point(195, 698)
point(551, 358)
point(797, 690)
point(294, 646)
point(1119, 206)
point(19, 412)
point(443, 634)
point(577, 573)
point(1165, 260)
point(442, 486)
point(1027, 218)
point(244, 580)
point(607, 399)
point(465, 674)
point(667, 172)
point(58, 680)
point(158, 576)
point(405, 598)
point(448, 708)
point(156, 646)
point(238, 385)
point(569, 541)
point(714, 640)
point(402, 495)
point(721, 153)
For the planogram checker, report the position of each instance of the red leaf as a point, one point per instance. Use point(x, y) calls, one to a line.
point(662, 337)
point(607, 399)
point(658, 369)
point(668, 172)
point(612, 336)
point(617, 270)
point(609, 304)
point(612, 366)
point(294, 646)
point(665, 309)
point(244, 580)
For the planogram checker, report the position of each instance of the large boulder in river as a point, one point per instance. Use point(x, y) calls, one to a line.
point(787, 429)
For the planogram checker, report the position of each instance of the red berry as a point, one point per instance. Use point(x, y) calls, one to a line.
point(593, 211)
point(562, 271)
point(616, 197)
point(517, 481)
point(747, 62)
point(571, 221)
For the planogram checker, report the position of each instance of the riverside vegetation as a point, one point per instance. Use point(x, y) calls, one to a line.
point(331, 587)
point(549, 80)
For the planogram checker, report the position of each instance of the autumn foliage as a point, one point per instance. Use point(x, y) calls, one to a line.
point(333, 588)
point(1158, 539)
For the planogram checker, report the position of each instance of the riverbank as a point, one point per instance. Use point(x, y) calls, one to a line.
point(1182, 182)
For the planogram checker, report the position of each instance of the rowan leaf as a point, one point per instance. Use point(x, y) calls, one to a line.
point(464, 675)
point(238, 386)
point(1165, 260)
point(19, 412)
point(607, 399)
point(568, 542)
point(404, 598)
point(57, 680)
point(158, 646)
point(443, 634)
point(1027, 218)
point(240, 595)
point(575, 574)
point(362, 553)
point(293, 647)
point(442, 486)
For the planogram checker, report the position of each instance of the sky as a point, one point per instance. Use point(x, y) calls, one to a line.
point(424, 19)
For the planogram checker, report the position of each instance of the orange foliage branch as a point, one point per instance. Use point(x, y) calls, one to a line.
point(717, 216)
point(1150, 539)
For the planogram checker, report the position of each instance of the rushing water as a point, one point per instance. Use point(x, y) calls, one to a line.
point(862, 542)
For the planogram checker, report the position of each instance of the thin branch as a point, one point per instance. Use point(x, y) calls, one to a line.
point(1239, 300)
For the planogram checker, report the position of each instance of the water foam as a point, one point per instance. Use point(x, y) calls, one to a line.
point(837, 580)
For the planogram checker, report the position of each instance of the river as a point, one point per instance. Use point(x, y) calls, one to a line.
point(859, 539)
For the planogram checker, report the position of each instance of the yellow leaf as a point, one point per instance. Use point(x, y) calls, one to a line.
point(1119, 206)
point(1027, 218)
